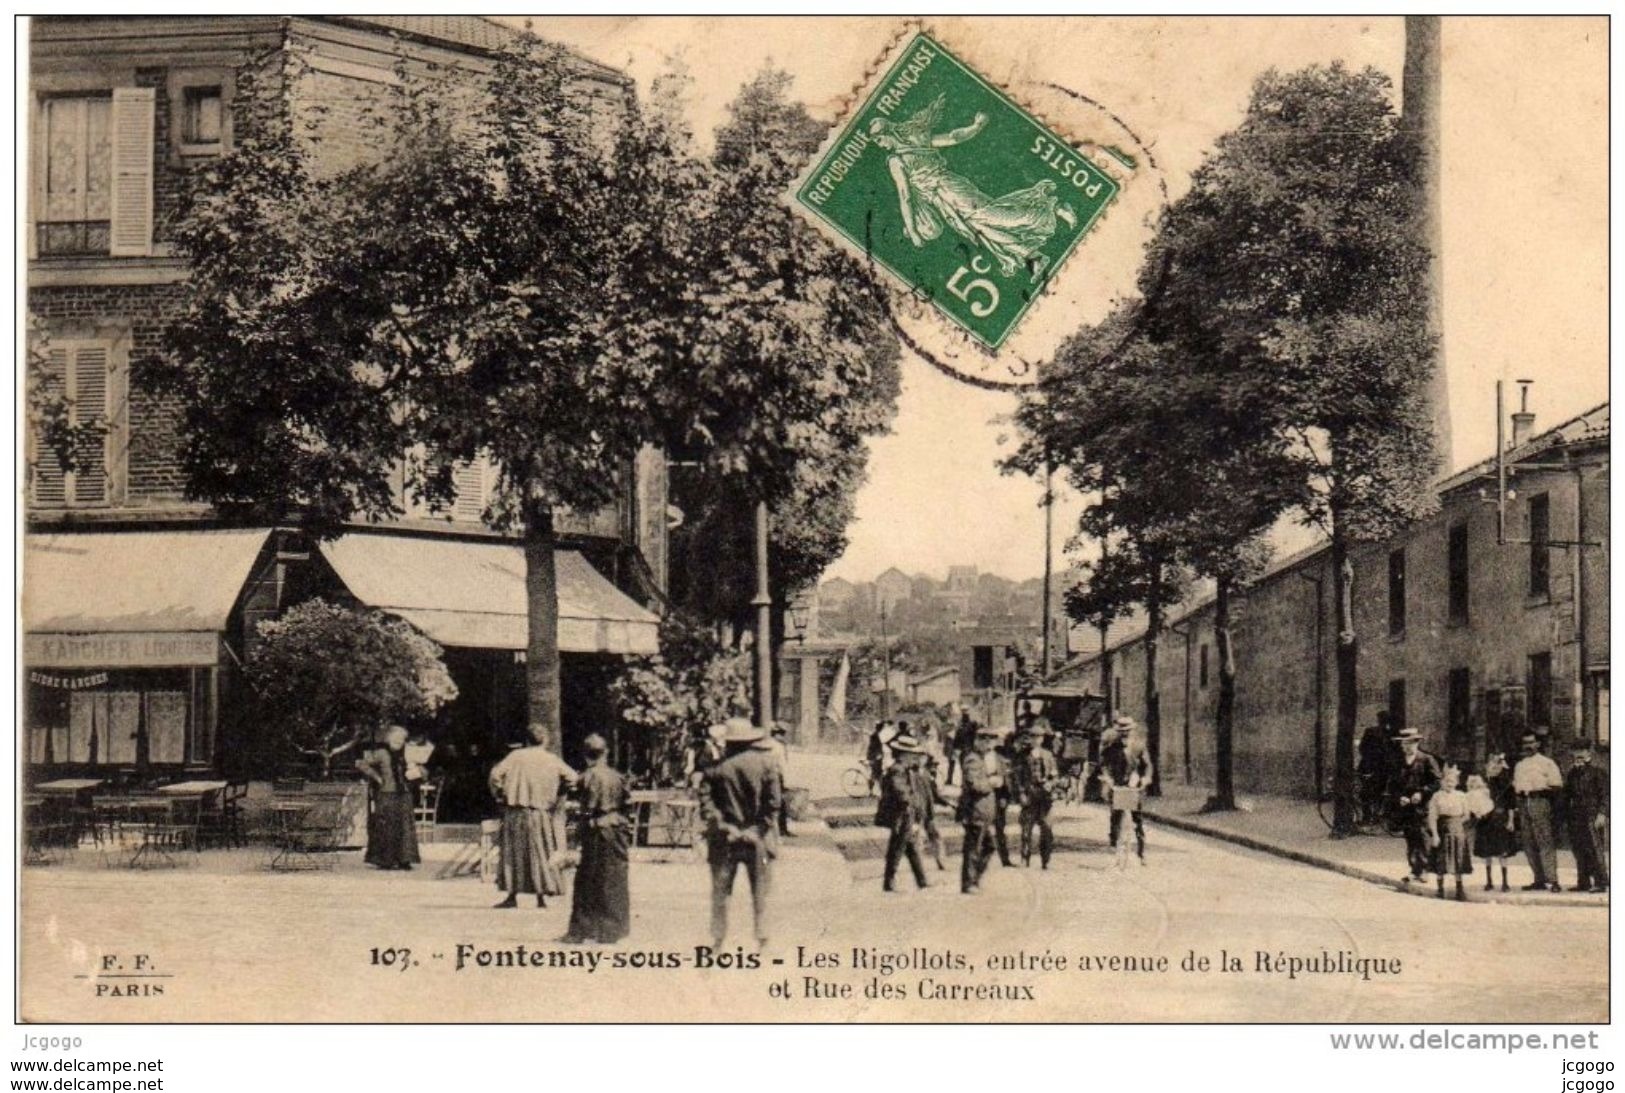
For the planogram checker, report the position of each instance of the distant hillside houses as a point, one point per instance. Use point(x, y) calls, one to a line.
point(962, 597)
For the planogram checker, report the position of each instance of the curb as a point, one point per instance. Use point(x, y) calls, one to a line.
point(1305, 858)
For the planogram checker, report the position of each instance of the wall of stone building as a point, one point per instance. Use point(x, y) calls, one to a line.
point(1274, 626)
point(1506, 624)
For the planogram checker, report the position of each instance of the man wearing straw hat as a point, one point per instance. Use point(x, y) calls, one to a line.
point(1416, 777)
point(739, 801)
point(904, 797)
point(1538, 783)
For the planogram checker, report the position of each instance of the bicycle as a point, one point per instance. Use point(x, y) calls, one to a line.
point(1373, 814)
point(857, 780)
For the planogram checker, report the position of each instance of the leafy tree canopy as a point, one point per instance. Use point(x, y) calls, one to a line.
point(327, 677)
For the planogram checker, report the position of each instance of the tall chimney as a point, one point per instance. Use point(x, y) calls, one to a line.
point(1523, 422)
point(1419, 114)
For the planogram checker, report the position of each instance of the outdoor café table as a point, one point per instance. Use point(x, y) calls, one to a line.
point(69, 787)
point(202, 790)
point(147, 821)
point(664, 818)
point(286, 815)
point(72, 797)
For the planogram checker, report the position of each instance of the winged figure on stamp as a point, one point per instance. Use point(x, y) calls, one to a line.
point(1011, 228)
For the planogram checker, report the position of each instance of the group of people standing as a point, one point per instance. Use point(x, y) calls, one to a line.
point(739, 777)
point(1448, 812)
point(531, 785)
point(993, 777)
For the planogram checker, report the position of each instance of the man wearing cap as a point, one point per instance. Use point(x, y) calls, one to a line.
point(1125, 767)
point(1538, 784)
point(739, 801)
point(1585, 799)
point(976, 804)
point(903, 800)
point(1036, 772)
point(1416, 778)
point(1000, 762)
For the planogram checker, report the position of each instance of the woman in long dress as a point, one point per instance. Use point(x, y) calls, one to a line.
point(392, 841)
point(601, 907)
point(930, 196)
point(530, 784)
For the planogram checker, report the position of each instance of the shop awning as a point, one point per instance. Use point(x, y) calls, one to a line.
point(472, 595)
point(148, 598)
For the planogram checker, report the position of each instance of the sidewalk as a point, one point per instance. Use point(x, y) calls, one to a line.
point(1291, 828)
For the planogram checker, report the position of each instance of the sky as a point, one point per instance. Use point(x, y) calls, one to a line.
point(1524, 195)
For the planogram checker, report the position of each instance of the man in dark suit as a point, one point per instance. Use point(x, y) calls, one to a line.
point(976, 810)
point(739, 801)
point(1585, 799)
point(1416, 778)
point(1034, 775)
point(904, 796)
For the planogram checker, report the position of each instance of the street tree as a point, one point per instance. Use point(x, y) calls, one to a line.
point(504, 278)
point(694, 682)
point(1293, 276)
point(326, 678)
point(792, 364)
point(1101, 416)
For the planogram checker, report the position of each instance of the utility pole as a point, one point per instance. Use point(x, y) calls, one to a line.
point(763, 602)
point(1049, 537)
point(885, 666)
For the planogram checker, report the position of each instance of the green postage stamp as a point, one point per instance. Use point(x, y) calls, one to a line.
point(969, 200)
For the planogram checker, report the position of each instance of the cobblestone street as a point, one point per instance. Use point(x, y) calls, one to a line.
point(230, 941)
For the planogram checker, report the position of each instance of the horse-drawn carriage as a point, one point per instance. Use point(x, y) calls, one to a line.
point(1078, 717)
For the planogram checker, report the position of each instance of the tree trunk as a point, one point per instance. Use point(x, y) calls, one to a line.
point(1224, 732)
point(542, 610)
point(1348, 694)
point(1153, 702)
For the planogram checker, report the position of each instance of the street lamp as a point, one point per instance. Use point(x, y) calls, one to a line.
point(801, 615)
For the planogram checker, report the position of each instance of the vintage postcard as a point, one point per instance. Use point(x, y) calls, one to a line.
point(863, 519)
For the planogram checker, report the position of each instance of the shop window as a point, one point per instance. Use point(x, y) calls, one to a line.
point(1539, 689)
point(1540, 555)
point(1396, 594)
point(1457, 568)
point(117, 718)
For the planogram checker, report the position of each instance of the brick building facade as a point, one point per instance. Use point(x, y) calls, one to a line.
point(1463, 637)
point(124, 111)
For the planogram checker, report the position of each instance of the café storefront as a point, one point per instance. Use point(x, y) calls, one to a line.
point(125, 642)
point(469, 596)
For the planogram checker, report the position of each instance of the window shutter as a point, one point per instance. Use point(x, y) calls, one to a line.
point(470, 479)
point(89, 390)
point(50, 486)
point(132, 140)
